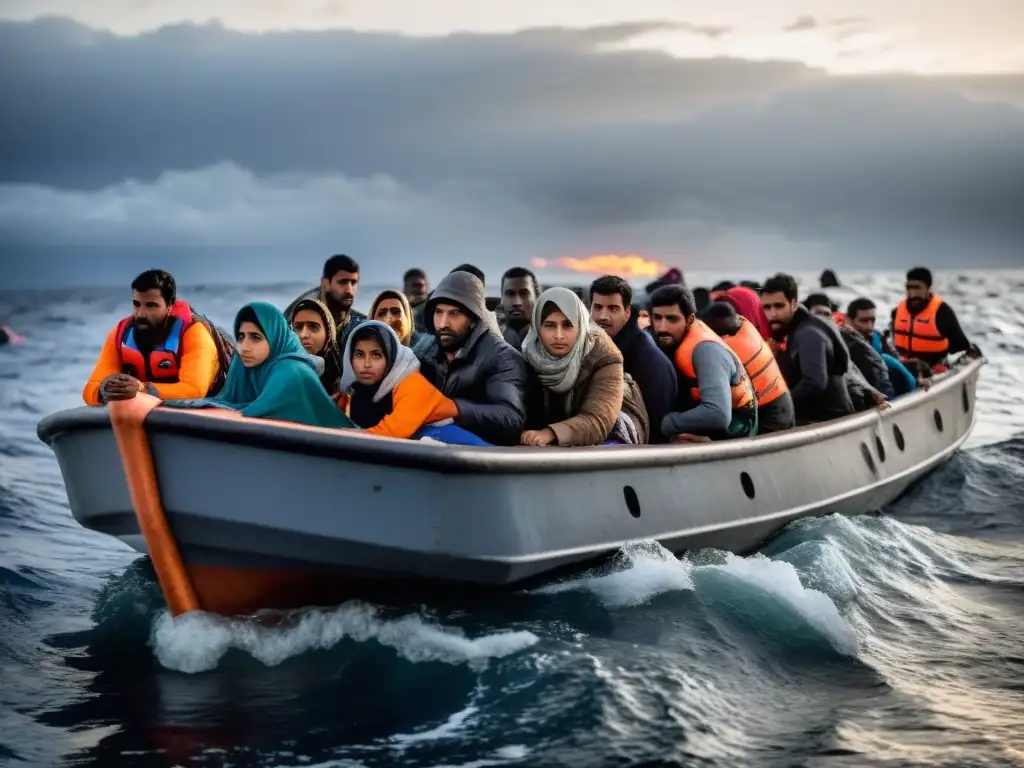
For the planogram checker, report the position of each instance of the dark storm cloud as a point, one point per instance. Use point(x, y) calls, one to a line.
point(507, 143)
point(84, 108)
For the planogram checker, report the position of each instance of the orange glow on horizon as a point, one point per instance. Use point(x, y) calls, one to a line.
point(626, 266)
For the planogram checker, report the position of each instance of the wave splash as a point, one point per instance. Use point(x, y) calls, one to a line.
point(645, 570)
point(196, 642)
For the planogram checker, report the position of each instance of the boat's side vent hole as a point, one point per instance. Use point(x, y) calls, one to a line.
point(938, 419)
point(897, 434)
point(965, 399)
point(632, 502)
point(868, 458)
point(880, 448)
point(748, 485)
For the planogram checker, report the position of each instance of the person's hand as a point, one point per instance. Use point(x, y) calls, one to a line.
point(686, 437)
point(544, 436)
point(121, 386)
point(973, 352)
point(924, 383)
point(880, 401)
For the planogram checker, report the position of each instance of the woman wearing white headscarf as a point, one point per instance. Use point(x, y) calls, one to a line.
point(588, 400)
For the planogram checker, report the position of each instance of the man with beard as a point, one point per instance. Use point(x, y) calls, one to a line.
point(924, 327)
point(519, 291)
point(716, 397)
point(472, 365)
point(490, 317)
point(415, 286)
point(163, 348)
point(611, 307)
point(810, 352)
point(338, 286)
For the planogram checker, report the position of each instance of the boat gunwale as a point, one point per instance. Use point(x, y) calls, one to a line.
point(410, 454)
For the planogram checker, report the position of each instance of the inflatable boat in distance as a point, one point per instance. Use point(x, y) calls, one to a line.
point(241, 514)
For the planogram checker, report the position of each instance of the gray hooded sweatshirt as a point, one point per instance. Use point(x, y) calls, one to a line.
point(487, 379)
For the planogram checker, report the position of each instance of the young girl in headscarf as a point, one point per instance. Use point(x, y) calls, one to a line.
point(384, 393)
point(580, 370)
point(271, 376)
point(393, 308)
point(314, 325)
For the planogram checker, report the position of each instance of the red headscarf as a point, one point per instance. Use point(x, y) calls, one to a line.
point(747, 304)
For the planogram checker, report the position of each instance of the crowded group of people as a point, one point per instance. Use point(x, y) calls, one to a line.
point(682, 366)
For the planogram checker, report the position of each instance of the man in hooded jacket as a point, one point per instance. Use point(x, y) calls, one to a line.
point(472, 364)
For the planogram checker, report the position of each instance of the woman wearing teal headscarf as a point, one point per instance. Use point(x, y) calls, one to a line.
point(272, 376)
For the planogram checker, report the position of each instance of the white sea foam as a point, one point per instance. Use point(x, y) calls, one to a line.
point(195, 642)
point(645, 570)
point(780, 581)
point(641, 571)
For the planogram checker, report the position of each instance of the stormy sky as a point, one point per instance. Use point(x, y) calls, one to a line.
point(265, 148)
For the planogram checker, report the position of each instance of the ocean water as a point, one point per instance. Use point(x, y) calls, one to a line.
point(892, 639)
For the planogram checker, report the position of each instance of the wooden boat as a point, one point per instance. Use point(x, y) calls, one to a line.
point(242, 514)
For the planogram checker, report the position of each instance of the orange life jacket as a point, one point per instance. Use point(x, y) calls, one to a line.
point(918, 334)
point(698, 333)
point(164, 362)
point(758, 361)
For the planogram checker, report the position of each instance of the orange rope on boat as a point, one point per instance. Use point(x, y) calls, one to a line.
point(127, 418)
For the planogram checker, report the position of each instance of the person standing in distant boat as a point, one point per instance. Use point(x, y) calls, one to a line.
point(338, 287)
point(829, 279)
point(163, 348)
point(716, 397)
point(416, 288)
point(519, 291)
point(312, 323)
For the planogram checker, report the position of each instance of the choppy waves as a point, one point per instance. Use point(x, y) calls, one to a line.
point(878, 640)
point(844, 638)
